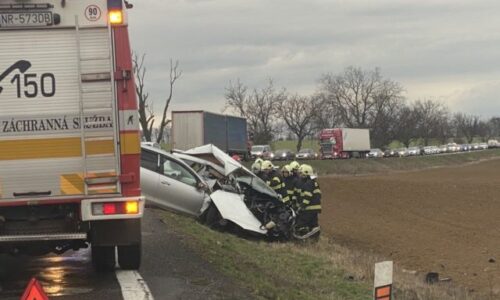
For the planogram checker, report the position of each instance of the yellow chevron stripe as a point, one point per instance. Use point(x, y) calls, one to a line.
point(72, 184)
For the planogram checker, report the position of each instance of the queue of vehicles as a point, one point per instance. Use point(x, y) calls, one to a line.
point(265, 152)
point(431, 150)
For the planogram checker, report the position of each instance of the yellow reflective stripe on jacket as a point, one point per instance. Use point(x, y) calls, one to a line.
point(286, 199)
point(313, 207)
point(317, 191)
point(306, 202)
point(290, 192)
point(306, 193)
point(276, 187)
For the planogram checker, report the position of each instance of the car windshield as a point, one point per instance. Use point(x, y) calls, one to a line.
point(283, 151)
point(413, 148)
point(257, 148)
point(375, 150)
point(305, 151)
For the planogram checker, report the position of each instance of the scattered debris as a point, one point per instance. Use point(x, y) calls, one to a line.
point(492, 260)
point(412, 272)
point(432, 277)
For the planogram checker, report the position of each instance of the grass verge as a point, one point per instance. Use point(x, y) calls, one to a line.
point(271, 270)
point(325, 270)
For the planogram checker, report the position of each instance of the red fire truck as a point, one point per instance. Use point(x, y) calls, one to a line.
point(69, 136)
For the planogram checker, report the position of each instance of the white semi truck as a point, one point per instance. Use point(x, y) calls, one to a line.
point(69, 136)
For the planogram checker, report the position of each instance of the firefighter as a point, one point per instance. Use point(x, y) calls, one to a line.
point(295, 168)
point(309, 201)
point(294, 165)
point(288, 190)
point(272, 177)
point(256, 167)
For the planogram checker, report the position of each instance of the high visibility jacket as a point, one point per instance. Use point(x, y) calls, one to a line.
point(310, 195)
point(298, 189)
point(274, 181)
point(288, 190)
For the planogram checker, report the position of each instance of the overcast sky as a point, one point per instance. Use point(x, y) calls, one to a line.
point(444, 50)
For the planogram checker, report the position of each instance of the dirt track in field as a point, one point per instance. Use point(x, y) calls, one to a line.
point(443, 220)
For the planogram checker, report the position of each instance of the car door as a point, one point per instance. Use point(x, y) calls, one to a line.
point(150, 177)
point(178, 187)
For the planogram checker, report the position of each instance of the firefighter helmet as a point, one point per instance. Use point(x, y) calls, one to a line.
point(306, 170)
point(294, 165)
point(259, 161)
point(286, 168)
point(267, 165)
point(255, 167)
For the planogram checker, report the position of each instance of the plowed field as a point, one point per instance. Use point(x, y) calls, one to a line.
point(444, 220)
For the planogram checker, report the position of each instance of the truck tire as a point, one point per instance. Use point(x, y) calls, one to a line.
point(103, 258)
point(129, 257)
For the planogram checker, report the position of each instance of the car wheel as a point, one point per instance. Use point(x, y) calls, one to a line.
point(103, 258)
point(213, 218)
point(129, 257)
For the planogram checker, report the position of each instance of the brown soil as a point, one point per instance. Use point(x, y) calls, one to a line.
point(443, 220)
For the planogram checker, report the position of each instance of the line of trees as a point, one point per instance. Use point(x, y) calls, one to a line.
point(354, 98)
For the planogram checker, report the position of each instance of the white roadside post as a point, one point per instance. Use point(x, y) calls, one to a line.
point(383, 281)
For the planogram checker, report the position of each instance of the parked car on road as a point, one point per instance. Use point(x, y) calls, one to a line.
point(402, 152)
point(465, 147)
point(284, 154)
point(306, 153)
point(443, 149)
point(493, 144)
point(390, 153)
point(475, 146)
point(452, 147)
point(483, 146)
point(261, 151)
point(413, 151)
point(375, 153)
point(429, 150)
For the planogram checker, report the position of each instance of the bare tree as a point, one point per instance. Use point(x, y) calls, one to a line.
point(363, 99)
point(147, 116)
point(467, 126)
point(326, 117)
point(429, 114)
point(406, 122)
point(298, 113)
point(259, 107)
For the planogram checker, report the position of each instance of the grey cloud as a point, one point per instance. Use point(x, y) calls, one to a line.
point(296, 41)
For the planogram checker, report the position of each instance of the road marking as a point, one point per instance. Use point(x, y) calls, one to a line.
point(133, 286)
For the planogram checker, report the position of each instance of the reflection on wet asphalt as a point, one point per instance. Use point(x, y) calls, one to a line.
point(68, 276)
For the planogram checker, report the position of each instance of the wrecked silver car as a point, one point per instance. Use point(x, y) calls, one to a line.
point(206, 183)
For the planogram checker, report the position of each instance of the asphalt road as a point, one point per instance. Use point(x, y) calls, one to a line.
point(170, 270)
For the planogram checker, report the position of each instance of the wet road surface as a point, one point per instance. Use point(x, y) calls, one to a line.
point(169, 271)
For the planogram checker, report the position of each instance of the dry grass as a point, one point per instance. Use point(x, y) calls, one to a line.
point(338, 272)
point(409, 285)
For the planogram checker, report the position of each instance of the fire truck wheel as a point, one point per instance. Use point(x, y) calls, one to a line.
point(103, 258)
point(129, 257)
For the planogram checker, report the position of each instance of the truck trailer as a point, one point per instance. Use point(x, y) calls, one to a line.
point(69, 135)
point(344, 143)
point(192, 129)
